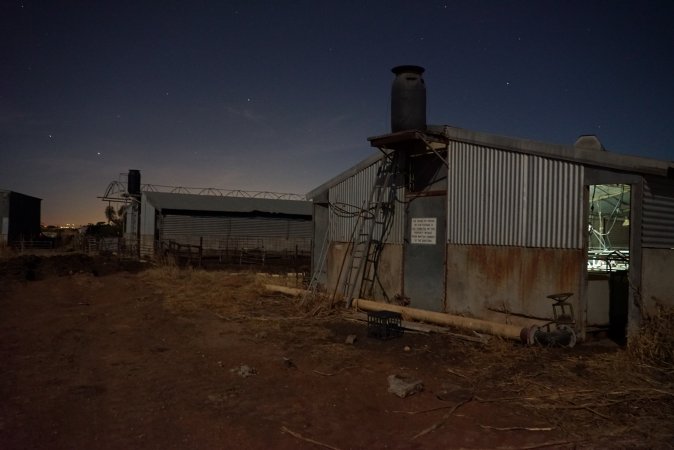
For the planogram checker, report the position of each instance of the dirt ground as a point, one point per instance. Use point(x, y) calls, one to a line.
point(102, 354)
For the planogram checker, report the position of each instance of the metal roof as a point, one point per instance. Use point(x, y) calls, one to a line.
point(344, 175)
point(9, 191)
point(210, 203)
point(585, 156)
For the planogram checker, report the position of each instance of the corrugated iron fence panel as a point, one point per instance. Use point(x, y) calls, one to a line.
point(497, 197)
point(218, 232)
point(658, 213)
point(348, 197)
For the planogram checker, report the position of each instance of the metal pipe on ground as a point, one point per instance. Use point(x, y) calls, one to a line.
point(295, 292)
point(466, 323)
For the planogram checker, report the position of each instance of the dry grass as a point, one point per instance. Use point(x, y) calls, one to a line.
point(599, 397)
point(186, 290)
point(236, 296)
point(317, 304)
point(6, 252)
point(654, 343)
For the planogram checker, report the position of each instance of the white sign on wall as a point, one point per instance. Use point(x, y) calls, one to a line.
point(423, 230)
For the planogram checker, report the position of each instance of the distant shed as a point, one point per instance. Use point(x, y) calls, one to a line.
point(19, 217)
point(487, 226)
point(224, 226)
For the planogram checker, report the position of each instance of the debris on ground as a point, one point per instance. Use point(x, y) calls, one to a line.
point(244, 371)
point(288, 363)
point(403, 386)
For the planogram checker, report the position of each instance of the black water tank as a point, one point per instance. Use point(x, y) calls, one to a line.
point(408, 99)
point(133, 186)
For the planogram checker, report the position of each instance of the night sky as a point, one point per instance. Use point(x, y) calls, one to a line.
point(281, 95)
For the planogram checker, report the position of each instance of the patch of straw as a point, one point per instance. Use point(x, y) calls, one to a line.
point(190, 289)
point(653, 344)
point(316, 304)
point(6, 252)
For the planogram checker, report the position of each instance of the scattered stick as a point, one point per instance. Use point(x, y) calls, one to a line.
point(544, 444)
point(439, 408)
point(489, 427)
point(325, 374)
point(584, 405)
point(437, 425)
point(299, 436)
point(587, 408)
point(457, 374)
point(532, 397)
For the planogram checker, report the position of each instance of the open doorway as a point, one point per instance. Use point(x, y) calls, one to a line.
point(608, 259)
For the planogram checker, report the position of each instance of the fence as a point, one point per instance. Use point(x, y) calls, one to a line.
point(212, 252)
point(24, 245)
point(292, 255)
point(268, 254)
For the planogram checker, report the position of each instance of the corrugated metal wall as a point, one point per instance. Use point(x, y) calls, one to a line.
point(270, 233)
point(4, 216)
point(350, 195)
point(658, 213)
point(497, 197)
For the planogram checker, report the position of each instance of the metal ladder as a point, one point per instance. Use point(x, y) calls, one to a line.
point(365, 247)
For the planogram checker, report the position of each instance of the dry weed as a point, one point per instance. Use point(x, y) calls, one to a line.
point(653, 344)
point(6, 252)
point(189, 289)
point(316, 304)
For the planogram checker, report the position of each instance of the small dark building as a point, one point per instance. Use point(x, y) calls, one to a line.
point(19, 217)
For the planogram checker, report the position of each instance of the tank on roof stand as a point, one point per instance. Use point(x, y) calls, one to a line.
point(133, 184)
point(408, 99)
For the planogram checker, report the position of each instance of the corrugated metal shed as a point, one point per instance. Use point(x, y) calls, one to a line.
point(498, 197)
point(180, 225)
point(221, 222)
point(349, 195)
point(163, 201)
point(658, 213)
point(334, 181)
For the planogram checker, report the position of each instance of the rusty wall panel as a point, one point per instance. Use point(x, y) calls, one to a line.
point(497, 197)
point(389, 273)
point(347, 197)
point(482, 278)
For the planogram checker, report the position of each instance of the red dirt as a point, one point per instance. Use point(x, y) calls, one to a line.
point(108, 362)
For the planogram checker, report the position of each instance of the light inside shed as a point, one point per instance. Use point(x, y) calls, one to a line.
point(608, 227)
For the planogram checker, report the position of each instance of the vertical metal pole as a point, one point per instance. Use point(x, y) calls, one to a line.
point(138, 227)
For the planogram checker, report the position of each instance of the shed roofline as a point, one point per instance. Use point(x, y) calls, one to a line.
point(605, 159)
point(595, 158)
point(211, 203)
point(9, 191)
point(344, 175)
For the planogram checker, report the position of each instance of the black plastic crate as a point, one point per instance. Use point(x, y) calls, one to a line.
point(384, 324)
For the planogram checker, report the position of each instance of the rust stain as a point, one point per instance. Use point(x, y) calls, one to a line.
point(521, 276)
point(495, 263)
